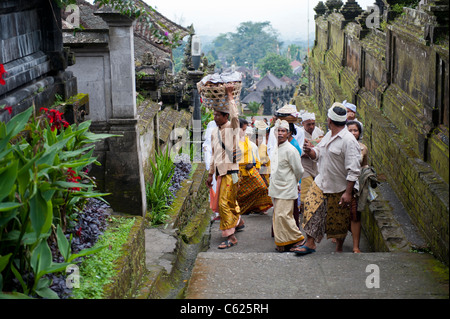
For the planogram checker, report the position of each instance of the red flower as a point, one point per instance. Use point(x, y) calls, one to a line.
point(55, 118)
point(73, 179)
point(2, 71)
point(78, 232)
point(8, 108)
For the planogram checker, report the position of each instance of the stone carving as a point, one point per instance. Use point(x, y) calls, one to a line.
point(351, 10)
point(333, 5)
point(320, 9)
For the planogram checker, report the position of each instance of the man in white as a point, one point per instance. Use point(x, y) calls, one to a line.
point(207, 152)
point(286, 171)
point(284, 112)
point(327, 205)
point(312, 134)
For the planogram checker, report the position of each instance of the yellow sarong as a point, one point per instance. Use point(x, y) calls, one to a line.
point(253, 191)
point(229, 210)
point(265, 163)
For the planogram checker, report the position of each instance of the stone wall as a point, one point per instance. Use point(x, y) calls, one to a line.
point(397, 75)
point(105, 70)
point(32, 54)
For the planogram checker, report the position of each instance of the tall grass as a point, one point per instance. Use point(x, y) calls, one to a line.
point(158, 194)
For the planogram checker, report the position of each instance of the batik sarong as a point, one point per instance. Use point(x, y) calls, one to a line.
point(253, 193)
point(305, 185)
point(324, 215)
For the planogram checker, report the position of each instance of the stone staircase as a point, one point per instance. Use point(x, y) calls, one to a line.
point(253, 270)
point(183, 262)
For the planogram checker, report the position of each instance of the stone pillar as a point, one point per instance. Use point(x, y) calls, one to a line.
point(194, 77)
point(121, 53)
point(122, 158)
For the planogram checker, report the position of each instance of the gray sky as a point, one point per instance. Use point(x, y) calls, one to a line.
point(210, 18)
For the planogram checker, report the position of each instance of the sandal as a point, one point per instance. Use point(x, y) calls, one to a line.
point(239, 228)
point(280, 249)
point(297, 245)
point(306, 250)
point(227, 243)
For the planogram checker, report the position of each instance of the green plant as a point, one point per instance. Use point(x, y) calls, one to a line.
point(139, 99)
point(207, 116)
point(254, 107)
point(158, 192)
point(276, 64)
point(140, 75)
point(97, 270)
point(66, 250)
point(42, 181)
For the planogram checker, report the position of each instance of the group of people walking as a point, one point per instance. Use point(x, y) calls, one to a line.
point(296, 169)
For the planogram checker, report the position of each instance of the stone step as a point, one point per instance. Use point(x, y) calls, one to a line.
point(320, 275)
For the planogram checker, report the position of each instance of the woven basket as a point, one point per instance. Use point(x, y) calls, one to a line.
point(214, 96)
point(291, 119)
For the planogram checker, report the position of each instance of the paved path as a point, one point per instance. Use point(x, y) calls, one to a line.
point(254, 270)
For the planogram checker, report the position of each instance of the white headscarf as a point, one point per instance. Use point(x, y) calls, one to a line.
point(349, 106)
point(281, 123)
point(335, 117)
point(308, 116)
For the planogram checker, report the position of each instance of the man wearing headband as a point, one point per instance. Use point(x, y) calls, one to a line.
point(224, 163)
point(327, 205)
point(312, 134)
point(288, 111)
point(286, 171)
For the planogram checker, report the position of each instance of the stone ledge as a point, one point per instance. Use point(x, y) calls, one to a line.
point(168, 263)
point(130, 267)
point(385, 229)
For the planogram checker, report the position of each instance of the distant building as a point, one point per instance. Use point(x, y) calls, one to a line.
point(295, 64)
point(270, 91)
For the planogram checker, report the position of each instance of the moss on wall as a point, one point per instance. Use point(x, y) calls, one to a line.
point(397, 117)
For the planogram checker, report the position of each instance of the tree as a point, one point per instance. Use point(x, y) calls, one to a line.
point(254, 107)
point(277, 65)
point(251, 42)
point(294, 52)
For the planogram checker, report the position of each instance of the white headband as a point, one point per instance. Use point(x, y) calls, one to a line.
point(282, 123)
point(335, 117)
point(308, 116)
point(350, 106)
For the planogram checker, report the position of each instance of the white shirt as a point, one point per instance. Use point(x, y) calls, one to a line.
point(286, 171)
point(338, 161)
point(207, 149)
